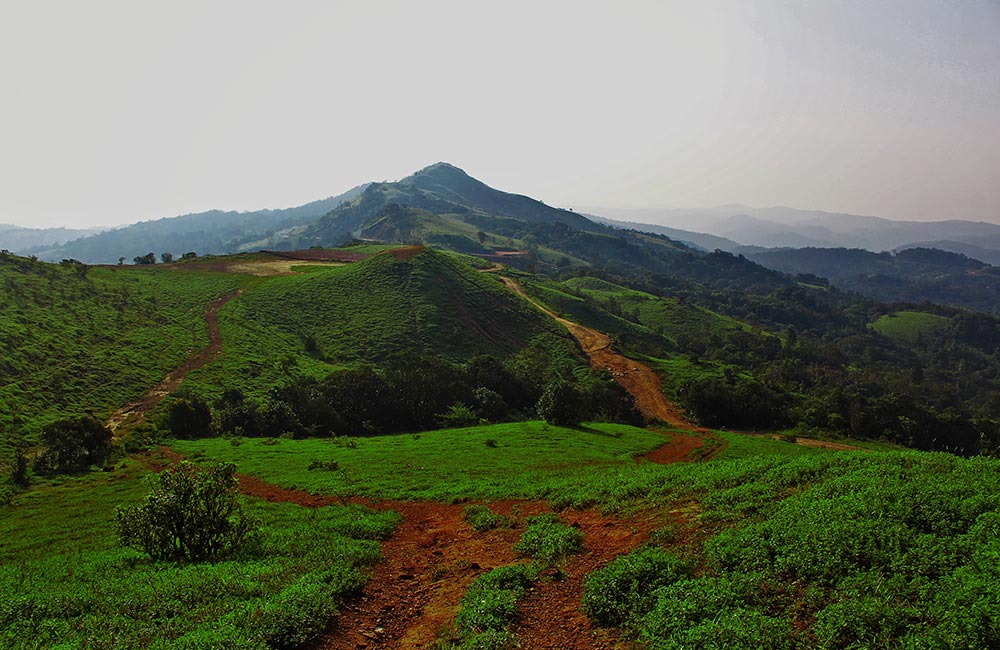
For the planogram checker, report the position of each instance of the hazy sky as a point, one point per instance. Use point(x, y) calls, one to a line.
point(113, 112)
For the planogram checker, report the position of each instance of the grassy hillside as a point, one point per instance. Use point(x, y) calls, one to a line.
point(409, 300)
point(72, 586)
point(74, 343)
point(908, 325)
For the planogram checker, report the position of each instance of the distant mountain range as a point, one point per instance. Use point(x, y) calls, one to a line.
point(18, 238)
point(782, 227)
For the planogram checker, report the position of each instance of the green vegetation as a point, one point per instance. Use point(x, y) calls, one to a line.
point(490, 606)
point(858, 550)
point(548, 540)
point(306, 325)
point(909, 325)
point(191, 514)
point(482, 518)
point(69, 586)
point(530, 458)
point(76, 342)
point(614, 594)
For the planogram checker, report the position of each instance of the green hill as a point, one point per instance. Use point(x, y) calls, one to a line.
point(909, 325)
point(412, 299)
point(77, 339)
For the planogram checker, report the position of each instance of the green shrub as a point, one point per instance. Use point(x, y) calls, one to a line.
point(561, 403)
point(482, 518)
point(73, 445)
point(548, 539)
point(491, 604)
point(625, 586)
point(191, 514)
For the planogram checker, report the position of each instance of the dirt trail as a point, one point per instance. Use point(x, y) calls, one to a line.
point(133, 413)
point(638, 379)
point(414, 594)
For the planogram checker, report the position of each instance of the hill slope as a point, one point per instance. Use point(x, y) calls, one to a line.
point(416, 300)
point(212, 232)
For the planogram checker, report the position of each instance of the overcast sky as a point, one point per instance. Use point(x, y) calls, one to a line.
point(114, 112)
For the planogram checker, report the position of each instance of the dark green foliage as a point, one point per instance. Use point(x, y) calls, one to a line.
point(189, 417)
point(561, 403)
point(549, 540)
point(191, 514)
point(625, 586)
point(735, 402)
point(74, 445)
point(482, 518)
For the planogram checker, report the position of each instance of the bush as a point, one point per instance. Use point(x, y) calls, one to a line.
point(491, 604)
point(625, 586)
point(74, 445)
point(482, 518)
point(191, 514)
point(548, 539)
point(189, 418)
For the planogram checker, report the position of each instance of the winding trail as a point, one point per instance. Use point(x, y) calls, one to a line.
point(638, 379)
point(133, 413)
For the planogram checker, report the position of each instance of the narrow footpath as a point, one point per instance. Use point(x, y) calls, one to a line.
point(133, 413)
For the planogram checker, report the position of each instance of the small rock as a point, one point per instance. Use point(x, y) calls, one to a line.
point(405, 576)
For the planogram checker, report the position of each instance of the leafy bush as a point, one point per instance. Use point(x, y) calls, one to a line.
point(189, 418)
point(548, 539)
point(482, 518)
point(74, 445)
point(625, 586)
point(191, 514)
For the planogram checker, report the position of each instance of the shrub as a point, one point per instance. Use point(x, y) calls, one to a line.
point(326, 465)
point(491, 604)
point(191, 514)
point(189, 418)
point(626, 584)
point(482, 518)
point(458, 415)
point(74, 445)
point(548, 539)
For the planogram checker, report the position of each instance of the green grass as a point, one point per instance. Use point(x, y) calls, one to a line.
point(908, 325)
point(72, 345)
point(363, 312)
point(63, 581)
point(450, 464)
point(743, 445)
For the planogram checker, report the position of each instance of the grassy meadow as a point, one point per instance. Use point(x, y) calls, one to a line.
point(908, 325)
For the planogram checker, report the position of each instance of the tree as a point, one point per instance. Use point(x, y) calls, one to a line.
point(190, 255)
point(189, 418)
point(167, 257)
point(191, 514)
point(560, 403)
point(74, 445)
point(148, 258)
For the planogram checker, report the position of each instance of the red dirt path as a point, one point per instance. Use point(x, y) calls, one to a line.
point(133, 413)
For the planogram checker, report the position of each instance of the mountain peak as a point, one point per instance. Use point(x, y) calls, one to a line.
point(440, 170)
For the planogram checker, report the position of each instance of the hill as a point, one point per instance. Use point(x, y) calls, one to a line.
point(776, 227)
point(910, 275)
point(78, 339)
point(18, 239)
point(405, 300)
point(212, 232)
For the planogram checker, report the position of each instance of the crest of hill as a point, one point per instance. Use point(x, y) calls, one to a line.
point(411, 299)
point(439, 189)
